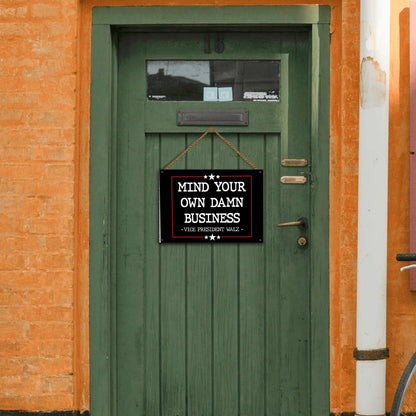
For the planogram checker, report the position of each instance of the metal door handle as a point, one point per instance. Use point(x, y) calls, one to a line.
point(300, 222)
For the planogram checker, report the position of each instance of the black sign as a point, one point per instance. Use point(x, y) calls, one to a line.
point(211, 206)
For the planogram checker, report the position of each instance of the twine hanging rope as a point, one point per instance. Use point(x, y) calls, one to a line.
point(210, 130)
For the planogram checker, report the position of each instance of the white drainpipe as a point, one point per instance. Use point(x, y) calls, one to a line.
point(372, 207)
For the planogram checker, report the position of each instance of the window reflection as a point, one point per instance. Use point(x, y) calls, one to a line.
point(221, 80)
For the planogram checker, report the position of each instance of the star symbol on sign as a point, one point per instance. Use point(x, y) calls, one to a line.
point(205, 176)
point(211, 177)
point(218, 176)
point(212, 237)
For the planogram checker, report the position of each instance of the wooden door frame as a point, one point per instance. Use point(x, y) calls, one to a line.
point(107, 21)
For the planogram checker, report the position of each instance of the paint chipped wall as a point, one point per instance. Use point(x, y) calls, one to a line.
point(44, 131)
point(373, 81)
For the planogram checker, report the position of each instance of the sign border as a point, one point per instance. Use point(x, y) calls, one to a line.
point(205, 238)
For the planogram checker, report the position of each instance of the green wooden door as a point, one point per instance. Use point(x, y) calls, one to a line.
point(211, 329)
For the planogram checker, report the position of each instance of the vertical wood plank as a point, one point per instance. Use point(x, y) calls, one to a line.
point(319, 230)
point(294, 282)
point(225, 307)
point(172, 306)
point(294, 322)
point(102, 390)
point(272, 271)
point(151, 287)
point(129, 274)
point(199, 303)
point(252, 316)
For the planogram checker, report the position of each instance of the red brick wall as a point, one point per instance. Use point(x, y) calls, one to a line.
point(37, 136)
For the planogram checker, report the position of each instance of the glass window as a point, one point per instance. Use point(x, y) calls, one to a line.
point(223, 80)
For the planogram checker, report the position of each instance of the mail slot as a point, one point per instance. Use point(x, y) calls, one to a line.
point(210, 117)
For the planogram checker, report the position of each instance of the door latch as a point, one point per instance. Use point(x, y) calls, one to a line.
point(300, 222)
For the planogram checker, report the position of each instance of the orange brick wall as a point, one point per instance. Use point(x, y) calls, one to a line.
point(44, 136)
point(37, 134)
point(401, 303)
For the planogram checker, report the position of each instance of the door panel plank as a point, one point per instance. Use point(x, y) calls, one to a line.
point(151, 287)
point(128, 287)
point(272, 284)
point(294, 204)
point(199, 302)
point(294, 284)
point(225, 295)
point(252, 314)
point(172, 306)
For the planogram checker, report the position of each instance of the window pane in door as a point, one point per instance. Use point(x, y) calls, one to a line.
point(216, 80)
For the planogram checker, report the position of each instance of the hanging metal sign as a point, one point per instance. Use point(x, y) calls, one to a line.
point(212, 206)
